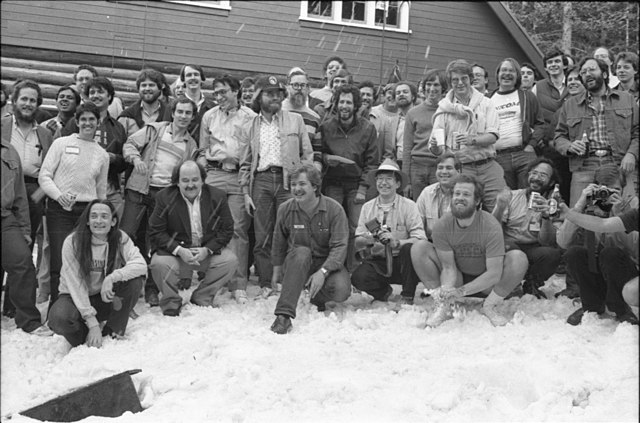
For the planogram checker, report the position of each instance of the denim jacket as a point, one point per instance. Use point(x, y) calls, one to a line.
point(621, 119)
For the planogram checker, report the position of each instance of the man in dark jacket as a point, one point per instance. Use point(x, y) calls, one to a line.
point(152, 85)
point(189, 229)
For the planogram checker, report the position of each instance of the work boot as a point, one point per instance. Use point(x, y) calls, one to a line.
point(441, 313)
point(530, 286)
point(151, 298)
point(282, 325)
point(576, 317)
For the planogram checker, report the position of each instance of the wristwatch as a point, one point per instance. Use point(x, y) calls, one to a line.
point(324, 271)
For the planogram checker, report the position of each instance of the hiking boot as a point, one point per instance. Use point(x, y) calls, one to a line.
point(151, 298)
point(628, 317)
point(241, 296)
point(569, 292)
point(441, 313)
point(529, 287)
point(172, 312)
point(576, 317)
point(42, 330)
point(282, 325)
point(494, 317)
point(184, 283)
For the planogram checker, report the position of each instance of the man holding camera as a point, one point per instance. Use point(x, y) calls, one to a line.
point(387, 228)
point(309, 248)
point(602, 262)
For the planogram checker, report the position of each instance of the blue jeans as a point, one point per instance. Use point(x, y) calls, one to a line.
point(298, 266)
point(515, 167)
point(423, 173)
point(345, 194)
point(584, 175)
point(492, 177)
point(228, 182)
point(65, 319)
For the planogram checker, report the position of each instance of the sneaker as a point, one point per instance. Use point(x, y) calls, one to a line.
point(42, 330)
point(241, 296)
point(569, 293)
point(151, 298)
point(529, 287)
point(184, 283)
point(576, 317)
point(282, 325)
point(441, 313)
point(494, 317)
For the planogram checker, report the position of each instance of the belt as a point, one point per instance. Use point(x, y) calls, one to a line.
point(214, 164)
point(272, 169)
point(600, 152)
point(478, 162)
point(30, 180)
point(511, 149)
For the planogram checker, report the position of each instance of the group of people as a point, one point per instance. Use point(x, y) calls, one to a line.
point(441, 182)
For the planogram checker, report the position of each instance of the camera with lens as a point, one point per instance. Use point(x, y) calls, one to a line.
point(602, 193)
point(376, 229)
point(599, 197)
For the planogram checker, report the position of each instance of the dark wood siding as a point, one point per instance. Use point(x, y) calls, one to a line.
point(258, 36)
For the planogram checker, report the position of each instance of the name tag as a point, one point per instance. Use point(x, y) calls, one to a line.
point(534, 226)
point(71, 149)
point(298, 226)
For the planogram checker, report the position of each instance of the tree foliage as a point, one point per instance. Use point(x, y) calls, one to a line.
point(610, 24)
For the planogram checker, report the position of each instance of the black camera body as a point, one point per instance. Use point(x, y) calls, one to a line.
point(599, 198)
point(376, 229)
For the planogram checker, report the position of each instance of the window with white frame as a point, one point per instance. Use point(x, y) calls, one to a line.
point(390, 15)
point(216, 4)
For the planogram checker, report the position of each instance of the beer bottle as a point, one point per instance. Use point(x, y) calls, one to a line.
point(553, 201)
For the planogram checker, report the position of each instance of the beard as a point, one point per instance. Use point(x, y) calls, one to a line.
point(464, 213)
point(599, 82)
point(29, 119)
point(297, 100)
point(270, 107)
point(152, 99)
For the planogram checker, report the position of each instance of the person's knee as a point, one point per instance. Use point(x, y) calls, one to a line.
point(516, 260)
point(630, 292)
point(342, 288)
point(359, 275)
point(63, 316)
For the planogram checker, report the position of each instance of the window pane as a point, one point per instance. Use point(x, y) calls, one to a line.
point(353, 11)
point(319, 8)
point(392, 12)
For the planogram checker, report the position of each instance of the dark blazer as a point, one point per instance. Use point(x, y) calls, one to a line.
point(170, 226)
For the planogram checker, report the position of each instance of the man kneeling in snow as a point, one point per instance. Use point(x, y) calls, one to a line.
point(467, 256)
point(309, 248)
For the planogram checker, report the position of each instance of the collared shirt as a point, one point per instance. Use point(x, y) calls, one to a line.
point(269, 144)
point(598, 134)
point(325, 232)
point(169, 153)
point(401, 217)
point(400, 135)
point(433, 203)
point(223, 134)
point(195, 219)
point(130, 124)
point(199, 102)
point(28, 147)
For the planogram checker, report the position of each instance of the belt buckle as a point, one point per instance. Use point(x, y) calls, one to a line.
point(601, 153)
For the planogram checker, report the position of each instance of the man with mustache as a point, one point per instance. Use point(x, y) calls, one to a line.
point(189, 229)
point(277, 142)
point(406, 96)
point(418, 162)
point(521, 124)
point(468, 257)
point(531, 229)
point(368, 97)
point(350, 151)
point(67, 99)
point(480, 79)
point(608, 118)
point(152, 85)
point(309, 248)
point(82, 76)
point(222, 137)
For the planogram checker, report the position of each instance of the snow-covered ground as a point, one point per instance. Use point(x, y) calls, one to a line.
point(353, 363)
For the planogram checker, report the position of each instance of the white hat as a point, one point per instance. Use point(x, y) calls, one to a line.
point(389, 165)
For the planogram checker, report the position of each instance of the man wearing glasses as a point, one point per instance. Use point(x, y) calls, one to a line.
point(223, 132)
point(597, 127)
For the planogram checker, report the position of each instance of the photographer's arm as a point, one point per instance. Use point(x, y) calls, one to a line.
point(593, 223)
point(567, 230)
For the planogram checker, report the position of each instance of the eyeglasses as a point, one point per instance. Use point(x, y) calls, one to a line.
point(299, 86)
point(584, 71)
point(386, 179)
point(539, 174)
point(220, 92)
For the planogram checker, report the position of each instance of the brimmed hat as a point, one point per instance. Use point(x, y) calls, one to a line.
point(389, 165)
point(268, 82)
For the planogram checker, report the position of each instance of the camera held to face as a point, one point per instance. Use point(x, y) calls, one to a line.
point(600, 197)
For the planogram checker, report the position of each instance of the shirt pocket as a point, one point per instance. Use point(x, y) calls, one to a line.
point(622, 124)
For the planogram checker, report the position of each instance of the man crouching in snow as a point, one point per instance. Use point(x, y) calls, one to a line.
point(467, 256)
point(309, 248)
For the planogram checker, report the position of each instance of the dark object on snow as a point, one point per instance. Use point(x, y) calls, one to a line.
point(109, 397)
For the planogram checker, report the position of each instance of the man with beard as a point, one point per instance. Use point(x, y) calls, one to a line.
point(110, 135)
point(467, 257)
point(601, 262)
point(67, 99)
point(296, 102)
point(326, 110)
point(480, 79)
point(418, 162)
point(82, 76)
point(531, 229)
point(471, 128)
point(350, 151)
point(521, 124)
point(193, 77)
point(151, 86)
point(278, 141)
point(435, 200)
point(368, 97)
point(154, 151)
point(189, 229)
point(309, 248)
point(609, 121)
point(222, 137)
point(399, 226)
point(406, 95)
point(32, 143)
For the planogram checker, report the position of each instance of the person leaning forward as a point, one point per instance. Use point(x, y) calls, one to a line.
point(309, 248)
